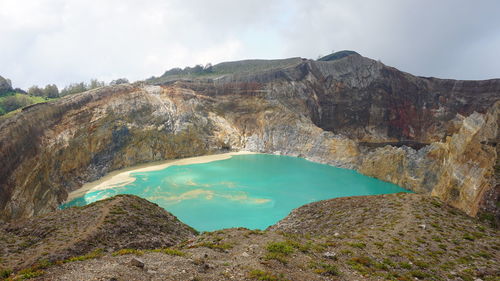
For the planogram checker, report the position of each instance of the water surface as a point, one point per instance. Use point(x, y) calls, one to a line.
point(252, 191)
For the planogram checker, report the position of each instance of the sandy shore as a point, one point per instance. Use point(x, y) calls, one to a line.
point(123, 177)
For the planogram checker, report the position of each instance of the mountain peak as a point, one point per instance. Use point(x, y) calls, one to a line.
point(338, 55)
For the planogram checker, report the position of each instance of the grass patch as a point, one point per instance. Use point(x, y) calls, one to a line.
point(469, 237)
point(92, 255)
point(483, 255)
point(4, 273)
point(419, 274)
point(265, 275)
point(279, 251)
point(128, 252)
point(358, 245)
point(280, 247)
point(29, 273)
point(117, 211)
point(169, 251)
point(421, 264)
point(361, 264)
point(215, 246)
point(324, 268)
point(405, 265)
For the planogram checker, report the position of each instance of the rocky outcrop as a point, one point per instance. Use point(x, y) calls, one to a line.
point(460, 170)
point(351, 112)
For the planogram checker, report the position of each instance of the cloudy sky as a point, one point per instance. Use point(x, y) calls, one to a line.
point(56, 41)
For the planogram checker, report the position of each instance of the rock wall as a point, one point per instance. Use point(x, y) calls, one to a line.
point(459, 170)
point(342, 112)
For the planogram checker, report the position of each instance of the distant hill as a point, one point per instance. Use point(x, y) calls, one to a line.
point(233, 67)
point(242, 67)
point(337, 55)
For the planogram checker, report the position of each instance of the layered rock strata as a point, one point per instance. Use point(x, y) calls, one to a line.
point(352, 112)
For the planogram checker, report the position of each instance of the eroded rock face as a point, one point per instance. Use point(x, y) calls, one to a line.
point(459, 170)
point(342, 112)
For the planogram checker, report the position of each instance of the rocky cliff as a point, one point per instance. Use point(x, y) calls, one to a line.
point(430, 135)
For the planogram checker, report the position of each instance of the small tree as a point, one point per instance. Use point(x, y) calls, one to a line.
point(73, 89)
point(94, 84)
point(119, 81)
point(208, 68)
point(51, 91)
point(35, 91)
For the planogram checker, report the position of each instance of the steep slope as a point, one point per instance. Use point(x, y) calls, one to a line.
point(124, 221)
point(386, 237)
point(351, 112)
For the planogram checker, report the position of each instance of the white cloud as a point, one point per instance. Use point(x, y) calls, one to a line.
point(56, 41)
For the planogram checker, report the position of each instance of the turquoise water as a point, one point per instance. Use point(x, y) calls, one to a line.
point(252, 191)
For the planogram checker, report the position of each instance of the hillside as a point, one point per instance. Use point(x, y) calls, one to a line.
point(12, 102)
point(432, 136)
point(385, 237)
point(244, 67)
point(120, 222)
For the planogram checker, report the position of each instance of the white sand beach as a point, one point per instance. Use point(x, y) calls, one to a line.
point(123, 177)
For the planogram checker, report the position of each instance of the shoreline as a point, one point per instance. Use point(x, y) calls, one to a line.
point(122, 177)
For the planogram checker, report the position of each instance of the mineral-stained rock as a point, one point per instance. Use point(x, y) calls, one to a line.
point(459, 170)
point(350, 112)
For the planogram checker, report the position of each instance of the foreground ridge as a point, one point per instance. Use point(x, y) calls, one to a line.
point(391, 237)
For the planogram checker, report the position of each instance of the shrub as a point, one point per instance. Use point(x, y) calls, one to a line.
point(280, 247)
point(4, 273)
point(324, 268)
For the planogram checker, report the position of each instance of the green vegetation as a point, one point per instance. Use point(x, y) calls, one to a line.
point(169, 251)
point(358, 245)
point(265, 276)
point(280, 247)
point(13, 101)
point(215, 246)
point(29, 273)
point(128, 252)
point(4, 273)
point(235, 67)
point(324, 268)
point(405, 265)
point(279, 251)
point(337, 55)
point(92, 255)
point(419, 274)
point(76, 88)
